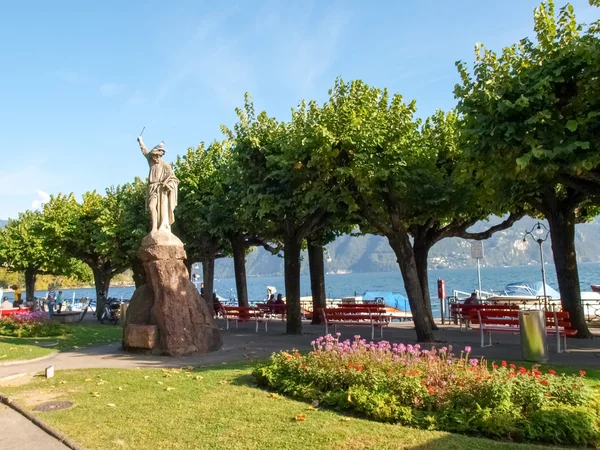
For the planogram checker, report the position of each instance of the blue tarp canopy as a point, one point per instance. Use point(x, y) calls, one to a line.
point(525, 289)
point(389, 299)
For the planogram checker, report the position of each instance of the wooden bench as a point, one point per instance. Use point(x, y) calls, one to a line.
point(357, 315)
point(13, 311)
point(507, 321)
point(239, 314)
point(559, 323)
point(276, 310)
point(461, 312)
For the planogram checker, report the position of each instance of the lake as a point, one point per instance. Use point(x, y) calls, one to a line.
point(344, 285)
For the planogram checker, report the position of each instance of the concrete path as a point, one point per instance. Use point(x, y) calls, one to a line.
point(18, 433)
point(246, 345)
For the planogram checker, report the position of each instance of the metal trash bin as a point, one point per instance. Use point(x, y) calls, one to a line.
point(534, 346)
point(122, 313)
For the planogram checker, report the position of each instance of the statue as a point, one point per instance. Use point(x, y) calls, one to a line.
point(161, 194)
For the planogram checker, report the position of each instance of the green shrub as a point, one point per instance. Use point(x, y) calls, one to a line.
point(435, 389)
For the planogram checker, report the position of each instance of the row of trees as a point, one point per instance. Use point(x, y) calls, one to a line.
point(523, 139)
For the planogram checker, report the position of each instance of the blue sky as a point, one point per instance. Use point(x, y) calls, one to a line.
point(80, 79)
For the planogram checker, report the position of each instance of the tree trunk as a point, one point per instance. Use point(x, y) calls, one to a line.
point(562, 232)
point(317, 279)
point(238, 246)
point(291, 258)
point(102, 276)
point(208, 276)
point(139, 273)
point(30, 277)
point(400, 243)
point(421, 252)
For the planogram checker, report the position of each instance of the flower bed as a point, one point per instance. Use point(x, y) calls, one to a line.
point(436, 389)
point(31, 324)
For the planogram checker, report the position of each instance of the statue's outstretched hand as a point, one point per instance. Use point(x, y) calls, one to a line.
point(139, 139)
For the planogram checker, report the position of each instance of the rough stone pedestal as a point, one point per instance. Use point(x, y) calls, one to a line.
point(183, 321)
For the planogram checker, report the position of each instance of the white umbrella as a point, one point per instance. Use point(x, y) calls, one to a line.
point(271, 290)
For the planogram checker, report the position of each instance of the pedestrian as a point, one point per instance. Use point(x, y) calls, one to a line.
point(51, 300)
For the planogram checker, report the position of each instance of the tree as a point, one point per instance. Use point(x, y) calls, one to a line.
point(199, 192)
point(24, 246)
point(446, 202)
point(284, 188)
point(531, 117)
point(87, 231)
point(370, 138)
point(132, 223)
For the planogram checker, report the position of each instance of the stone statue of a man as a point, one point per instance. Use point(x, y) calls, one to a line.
point(161, 194)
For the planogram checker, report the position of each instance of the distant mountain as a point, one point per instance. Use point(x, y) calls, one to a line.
point(3, 223)
point(373, 254)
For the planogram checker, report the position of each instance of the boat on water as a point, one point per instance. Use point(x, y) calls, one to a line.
point(595, 287)
point(529, 295)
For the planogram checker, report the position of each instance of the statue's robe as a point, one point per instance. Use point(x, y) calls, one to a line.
point(162, 185)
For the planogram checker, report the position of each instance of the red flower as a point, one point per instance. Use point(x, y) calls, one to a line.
point(288, 357)
point(479, 378)
point(350, 364)
point(423, 383)
point(503, 363)
point(522, 370)
point(552, 372)
point(430, 391)
point(544, 382)
point(512, 366)
point(359, 368)
point(494, 366)
point(537, 373)
point(582, 373)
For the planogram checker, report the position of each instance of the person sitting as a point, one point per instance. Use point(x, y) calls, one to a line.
point(470, 303)
point(279, 300)
point(472, 300)
point(217, 306)
point(6, 304)
point(18, 295)
point(271, 300)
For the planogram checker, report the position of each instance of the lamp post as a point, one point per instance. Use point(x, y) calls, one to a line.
point(540, 230)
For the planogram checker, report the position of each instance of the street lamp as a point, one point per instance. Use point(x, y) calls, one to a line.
point(540, 230)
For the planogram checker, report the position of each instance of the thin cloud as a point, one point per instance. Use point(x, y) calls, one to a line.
point(111, 89)
point(136, 99)
point(43, 197)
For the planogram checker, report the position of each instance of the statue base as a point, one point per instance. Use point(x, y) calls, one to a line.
point(167, 316)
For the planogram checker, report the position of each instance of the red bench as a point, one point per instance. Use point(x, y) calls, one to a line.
point(559, 323)
point(507, 321)
point(461, 312)
point(239, 314)
point(13, 311)
point(358, 315)
point(279, 309)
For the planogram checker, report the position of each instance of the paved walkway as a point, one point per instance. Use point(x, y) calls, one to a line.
point(18, 433)
point(246, 345)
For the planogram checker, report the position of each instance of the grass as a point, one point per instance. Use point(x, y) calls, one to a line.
point(82, 335)
point(214, 408)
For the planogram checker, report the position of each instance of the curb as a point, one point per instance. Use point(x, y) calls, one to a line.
point(27, 361)
point(61, 437)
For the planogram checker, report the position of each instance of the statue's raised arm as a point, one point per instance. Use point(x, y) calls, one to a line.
point(142, 146)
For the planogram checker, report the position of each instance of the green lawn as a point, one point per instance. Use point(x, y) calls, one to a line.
point(81, 335)
point(216, 408)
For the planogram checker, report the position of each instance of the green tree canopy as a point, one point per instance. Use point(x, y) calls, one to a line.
point(24, 246)
point(87, 231)
point(531, 121)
